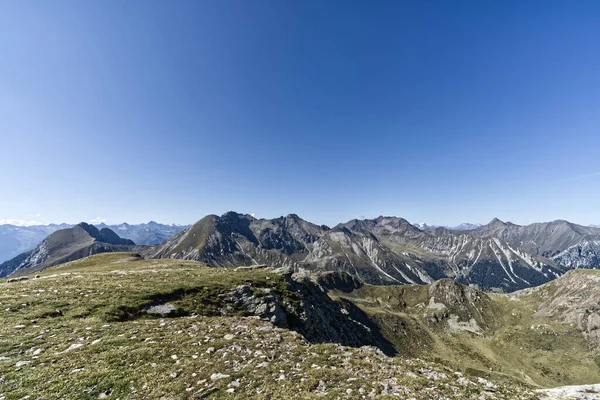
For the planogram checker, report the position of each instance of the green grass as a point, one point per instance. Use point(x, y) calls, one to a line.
point(79, 332)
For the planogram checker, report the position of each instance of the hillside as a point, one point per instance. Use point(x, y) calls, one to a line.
point(543, 336)
point(117, 326)
point(498, 256)
point(66, 245)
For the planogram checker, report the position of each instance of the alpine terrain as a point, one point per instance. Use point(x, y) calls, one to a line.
point(15, 240)
point(499, 256)
point(114, 325)
point(64, 245)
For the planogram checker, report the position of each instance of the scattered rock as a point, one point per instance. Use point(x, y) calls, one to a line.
point(104, 395)
point(217, 376)
point(71, 347)
point(162, 309)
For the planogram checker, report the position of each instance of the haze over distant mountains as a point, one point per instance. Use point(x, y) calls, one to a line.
point(65, 245)
point(15, 240)
point(462, 227)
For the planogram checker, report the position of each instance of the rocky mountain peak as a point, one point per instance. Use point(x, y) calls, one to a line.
point(234, 216)
point(90, 229)
point(496, 222)
point(104, 235)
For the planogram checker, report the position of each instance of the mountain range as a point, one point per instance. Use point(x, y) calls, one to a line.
point(15, 240)
point(499, 256)
point(145, 234)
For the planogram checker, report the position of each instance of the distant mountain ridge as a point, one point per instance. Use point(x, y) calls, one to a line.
point(146, 233)
point(66, 245)
point(466, 226)
point(497, 256)
point(15, 240)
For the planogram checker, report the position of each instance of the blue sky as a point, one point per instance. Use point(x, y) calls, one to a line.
point(436, 111)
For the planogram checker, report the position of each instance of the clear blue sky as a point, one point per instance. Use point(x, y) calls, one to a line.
point(437, 111)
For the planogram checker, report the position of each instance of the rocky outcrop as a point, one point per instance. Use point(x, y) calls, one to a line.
point(453, 294)
point(460, 307)
point(260, 302)
point(309, 310)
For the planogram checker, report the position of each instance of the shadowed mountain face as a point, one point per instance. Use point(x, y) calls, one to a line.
point(66, 245)
point(388, 250)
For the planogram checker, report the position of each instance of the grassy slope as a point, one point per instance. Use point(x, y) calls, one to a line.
point(535, 350)
point(78, 333)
